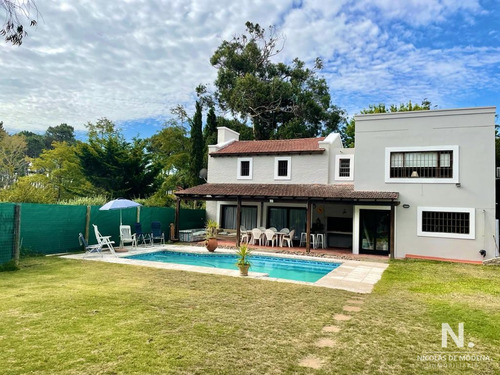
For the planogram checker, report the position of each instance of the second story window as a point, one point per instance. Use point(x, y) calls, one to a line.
point(428, 164)
point(282, 168)
point(244, 168)
point(425, 164)
point(344, 167)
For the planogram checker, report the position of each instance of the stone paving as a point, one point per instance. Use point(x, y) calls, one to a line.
point(353, 276)
point(315, 362)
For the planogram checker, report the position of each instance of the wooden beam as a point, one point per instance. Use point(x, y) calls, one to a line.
point(308, 227)
point(177, 217)
point(391, 234)
point(17, 234)
point(238, 222)
point(87, 224)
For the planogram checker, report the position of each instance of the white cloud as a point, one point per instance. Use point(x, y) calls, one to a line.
point(136, 59)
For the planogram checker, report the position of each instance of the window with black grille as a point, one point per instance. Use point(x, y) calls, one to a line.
point(422, 164)
point(245, 168)
point(344, 167)
point(446, 222)
point(282, 168)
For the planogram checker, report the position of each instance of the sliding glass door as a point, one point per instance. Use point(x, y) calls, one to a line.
point(374, 228)
point(248, 217)
point(287, 217)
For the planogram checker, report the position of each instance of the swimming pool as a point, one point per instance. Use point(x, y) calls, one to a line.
point(278, 267)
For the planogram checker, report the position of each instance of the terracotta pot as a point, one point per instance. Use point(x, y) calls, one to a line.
point(243, 269)
point(211, 244)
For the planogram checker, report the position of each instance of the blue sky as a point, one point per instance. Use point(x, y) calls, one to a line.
point(132, 61)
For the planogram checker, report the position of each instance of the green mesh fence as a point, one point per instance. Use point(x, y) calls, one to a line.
point(192, 219)
point(51, 229)
point(6, 231)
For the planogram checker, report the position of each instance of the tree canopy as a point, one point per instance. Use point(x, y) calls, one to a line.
point(17, 14)
point(348, 133)
point(119, 168)
point(281, 100)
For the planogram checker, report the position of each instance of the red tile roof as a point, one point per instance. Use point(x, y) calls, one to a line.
point(280, 146)
point(288, 191)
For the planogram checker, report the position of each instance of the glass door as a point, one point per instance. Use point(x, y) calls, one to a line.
point(374, 228)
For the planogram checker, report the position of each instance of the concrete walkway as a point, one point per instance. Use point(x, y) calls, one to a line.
point(353, 276)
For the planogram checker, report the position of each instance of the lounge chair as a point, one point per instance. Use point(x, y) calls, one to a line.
point(104, 240)
point(126, 236)
point(141, 236)
point(156, 233)
point(89, 249)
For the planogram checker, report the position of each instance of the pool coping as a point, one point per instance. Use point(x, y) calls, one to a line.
point(352, 275)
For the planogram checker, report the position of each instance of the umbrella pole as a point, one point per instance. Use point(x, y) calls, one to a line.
point(120, 216)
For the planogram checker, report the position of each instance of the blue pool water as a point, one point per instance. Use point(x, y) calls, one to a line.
point(282, 268)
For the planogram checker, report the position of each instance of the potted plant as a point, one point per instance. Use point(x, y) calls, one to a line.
point(211, 228)
point(243, 264)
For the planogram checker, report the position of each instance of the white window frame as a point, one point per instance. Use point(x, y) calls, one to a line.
point(472, 222)
point(249, 177)
point(422, 180)
point(289, 164)
point(351, 167)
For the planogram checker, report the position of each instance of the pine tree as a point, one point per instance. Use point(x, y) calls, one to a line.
point(209, 133)
point(197, 145)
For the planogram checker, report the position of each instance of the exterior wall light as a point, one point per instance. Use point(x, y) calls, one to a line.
point(406, 205)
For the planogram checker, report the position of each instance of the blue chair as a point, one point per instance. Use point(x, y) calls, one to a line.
point(89, 249)
point(156, 233)
point(141, 236)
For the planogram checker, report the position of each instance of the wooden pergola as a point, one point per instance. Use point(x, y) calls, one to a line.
point(308, 194)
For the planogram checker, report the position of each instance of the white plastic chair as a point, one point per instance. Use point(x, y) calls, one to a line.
point(270, 236)
point(285, 230)
point(256, 234)
point(126, 236)
point(104, 240)
point(288, 238)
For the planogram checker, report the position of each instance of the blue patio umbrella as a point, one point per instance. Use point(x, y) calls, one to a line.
point(119, 204)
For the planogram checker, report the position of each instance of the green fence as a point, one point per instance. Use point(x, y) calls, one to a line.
point(6, 231)
point(51, 229)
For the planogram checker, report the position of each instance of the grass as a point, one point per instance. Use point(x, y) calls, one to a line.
point(77, 317)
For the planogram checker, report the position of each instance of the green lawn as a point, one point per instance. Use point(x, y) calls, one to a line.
point(77, 317)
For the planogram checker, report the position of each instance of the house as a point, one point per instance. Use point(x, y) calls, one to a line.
point(418, 184)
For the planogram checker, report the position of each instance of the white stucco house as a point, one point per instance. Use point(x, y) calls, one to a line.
point(418, 184)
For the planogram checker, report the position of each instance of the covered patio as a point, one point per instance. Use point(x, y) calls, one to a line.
point(303, 195)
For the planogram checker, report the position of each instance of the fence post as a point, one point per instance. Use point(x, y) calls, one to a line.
point(17, 233)
point(87, 224)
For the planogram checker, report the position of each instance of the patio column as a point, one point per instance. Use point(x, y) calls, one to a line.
point(177, 217)
point(308, 227)
point(391, 234)
point(238, 221)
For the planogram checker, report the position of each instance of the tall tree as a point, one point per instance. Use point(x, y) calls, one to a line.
point(60, 133)
point(35, 143)
point(209, 133)
point(282, 101)
point(17, 13)
point(110, 163)
point(197, 146)
point(13, 163)
point(170, 149)
point(348, 132)
point(61, 170)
